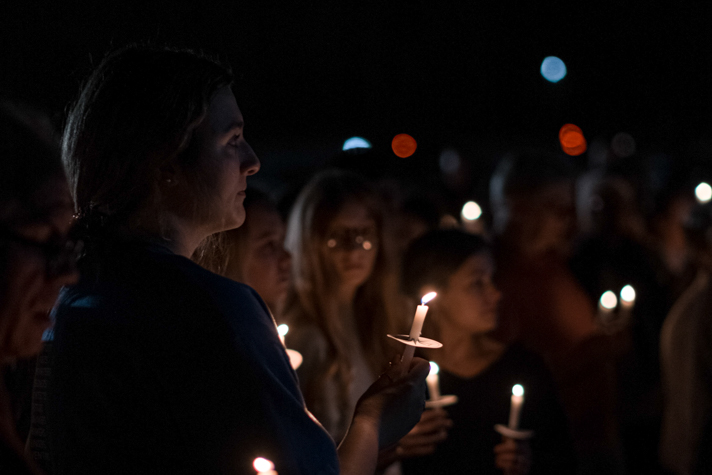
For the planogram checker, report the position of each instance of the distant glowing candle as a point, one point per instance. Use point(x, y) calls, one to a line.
point(283, 329)
point(433, 381)
point(627, 303)
point(516, 408)
point(606, 305)
point(415, 329)
point(264, 466)
point(627, 297)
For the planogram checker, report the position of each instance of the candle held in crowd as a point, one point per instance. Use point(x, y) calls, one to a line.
point(606, 306)
point(283, 329)
point(264, 466)
point(416, 328)
point(419, 318)
point(433, 381)
point(516, 407)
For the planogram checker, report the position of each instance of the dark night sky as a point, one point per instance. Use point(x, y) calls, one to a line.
point(458, 73)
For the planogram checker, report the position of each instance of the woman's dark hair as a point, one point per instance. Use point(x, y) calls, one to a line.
point(432, 258)
point(29, 156)
point(136, 113)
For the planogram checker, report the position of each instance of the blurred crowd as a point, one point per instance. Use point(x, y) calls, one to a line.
point(587, 286)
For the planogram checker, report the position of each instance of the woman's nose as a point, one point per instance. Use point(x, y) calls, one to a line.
point(251, 163)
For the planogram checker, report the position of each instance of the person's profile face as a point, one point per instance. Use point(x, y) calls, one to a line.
point(470, 300)
point(227, 160)
point(30, 291)
point(267, 265)
point(352, 245)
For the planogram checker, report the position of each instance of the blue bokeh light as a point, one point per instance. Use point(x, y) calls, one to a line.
point(356, 142)
point(553, 69)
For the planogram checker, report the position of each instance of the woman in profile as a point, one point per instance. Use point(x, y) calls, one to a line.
point(36, 256)
point(160, 366)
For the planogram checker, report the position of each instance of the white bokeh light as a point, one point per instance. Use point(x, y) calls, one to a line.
point(471, 211)
point(628, 293)
point(434, 368)
point(518, 390)
point(609, 300)
point(703, 192)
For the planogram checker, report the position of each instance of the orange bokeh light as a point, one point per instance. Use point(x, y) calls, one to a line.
point(572, 140)
point(404, 145)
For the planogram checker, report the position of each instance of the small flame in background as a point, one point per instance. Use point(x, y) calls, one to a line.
point(262, 465)
point(609, 300)
point(434, 368)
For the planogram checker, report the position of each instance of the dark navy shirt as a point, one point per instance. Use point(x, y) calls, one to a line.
point(159, 366)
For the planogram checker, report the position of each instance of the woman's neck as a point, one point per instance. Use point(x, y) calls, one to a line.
point(171, 231)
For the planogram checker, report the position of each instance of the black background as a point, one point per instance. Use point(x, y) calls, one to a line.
point(462, 74)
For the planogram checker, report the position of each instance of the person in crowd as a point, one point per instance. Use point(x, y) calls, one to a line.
point(544, 306)
point(158, 365)
point(36, 255)
point(686, 362)
point(254, 253)
point(341, 305)
point(480, 370)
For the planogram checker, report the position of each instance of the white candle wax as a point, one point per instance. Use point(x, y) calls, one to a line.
point(516, 407)
point(418, 321)
point(415, 330)
point(433, 381)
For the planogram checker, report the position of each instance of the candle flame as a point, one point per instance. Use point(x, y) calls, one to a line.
point(262, 465)
point(428, 297)
point(628, 293)
point(434, 368)
point(283, 329)
point(518, 390)
point(471, 211)
point(703, 192)
point(609, 300)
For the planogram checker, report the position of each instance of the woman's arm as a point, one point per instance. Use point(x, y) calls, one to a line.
point(383, 415)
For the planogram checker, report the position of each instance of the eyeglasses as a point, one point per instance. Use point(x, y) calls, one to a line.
point(60, 253)
point(348, 239)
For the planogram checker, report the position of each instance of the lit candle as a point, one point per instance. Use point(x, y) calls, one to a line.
point(606, 305)
point(470, 214)
point(516, 408)
point(419, 318)
point(415, 329)
point(433, 381)
point(264, 466)
point(283, 329)
point(627, 303)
